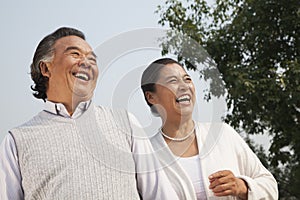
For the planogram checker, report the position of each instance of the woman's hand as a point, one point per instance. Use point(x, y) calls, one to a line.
point(224, 183)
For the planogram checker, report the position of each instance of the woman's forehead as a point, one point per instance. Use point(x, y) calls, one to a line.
point(172, 70)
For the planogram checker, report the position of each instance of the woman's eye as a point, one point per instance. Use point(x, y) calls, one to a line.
point(172, 81)
point(188, 79)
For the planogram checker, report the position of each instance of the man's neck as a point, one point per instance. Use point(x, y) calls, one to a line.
point(70, 107)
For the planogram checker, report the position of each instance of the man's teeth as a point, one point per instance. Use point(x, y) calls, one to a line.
point(82, 76)
point(183, 98)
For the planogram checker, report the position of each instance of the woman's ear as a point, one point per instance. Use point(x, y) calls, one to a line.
point(44, 69)
point(150, 96)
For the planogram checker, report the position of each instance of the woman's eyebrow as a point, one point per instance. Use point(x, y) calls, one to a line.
point(169, 77)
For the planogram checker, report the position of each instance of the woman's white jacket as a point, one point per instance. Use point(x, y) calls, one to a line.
point(159, 176)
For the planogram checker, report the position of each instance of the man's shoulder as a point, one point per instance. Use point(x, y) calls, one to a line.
point(117, 115)
point(37, 119)
point(106, 108)
point(109, 110)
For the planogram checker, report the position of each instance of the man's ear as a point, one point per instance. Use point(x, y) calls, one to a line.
point(44, 69)
point(150, 96)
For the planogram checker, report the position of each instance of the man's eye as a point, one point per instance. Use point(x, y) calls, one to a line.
point(93, 60)
point(74, 53)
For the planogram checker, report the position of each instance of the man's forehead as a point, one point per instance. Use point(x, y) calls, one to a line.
point(72, 41)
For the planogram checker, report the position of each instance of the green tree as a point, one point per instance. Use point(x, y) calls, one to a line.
point(256, 47)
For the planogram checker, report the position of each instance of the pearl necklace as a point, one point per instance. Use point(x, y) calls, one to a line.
point(177, 139)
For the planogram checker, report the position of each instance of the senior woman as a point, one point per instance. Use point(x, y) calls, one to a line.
point(194, 160)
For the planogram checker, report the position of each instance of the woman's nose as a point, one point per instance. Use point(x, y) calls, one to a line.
point(183, 85)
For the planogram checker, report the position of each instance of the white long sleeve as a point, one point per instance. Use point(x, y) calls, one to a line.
point(10, 177)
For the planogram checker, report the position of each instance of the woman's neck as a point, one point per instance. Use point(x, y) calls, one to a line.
point(180, 137)
point(178, 128)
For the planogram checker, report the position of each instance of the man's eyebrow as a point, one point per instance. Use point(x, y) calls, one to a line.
point(72, 48)
point(93, 53)
point(76, 48)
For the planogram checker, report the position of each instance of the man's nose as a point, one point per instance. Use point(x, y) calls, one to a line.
point(84, 62)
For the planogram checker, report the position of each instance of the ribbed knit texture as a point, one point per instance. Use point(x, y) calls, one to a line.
point(84, 158)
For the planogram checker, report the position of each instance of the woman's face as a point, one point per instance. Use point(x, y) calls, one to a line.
point(175, 92)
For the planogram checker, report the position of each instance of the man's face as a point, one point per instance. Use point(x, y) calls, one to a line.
point(73, 72)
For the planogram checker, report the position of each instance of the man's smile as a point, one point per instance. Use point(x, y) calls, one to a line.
point(82, 75)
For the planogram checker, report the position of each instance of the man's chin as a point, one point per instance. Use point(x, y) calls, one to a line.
point(80, 96)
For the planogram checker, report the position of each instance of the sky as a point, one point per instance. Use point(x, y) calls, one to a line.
point(25, 23)
point(119, 31)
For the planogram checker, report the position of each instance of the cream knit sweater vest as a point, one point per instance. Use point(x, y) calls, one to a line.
point(84, 158)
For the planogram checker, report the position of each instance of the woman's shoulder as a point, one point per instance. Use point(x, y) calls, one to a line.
point(222, 126)
point(220, 135)
point(218, 130)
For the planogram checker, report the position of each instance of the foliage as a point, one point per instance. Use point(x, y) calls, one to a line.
point(256, 47)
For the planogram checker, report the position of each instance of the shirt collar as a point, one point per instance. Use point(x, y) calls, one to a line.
point(60, 109)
